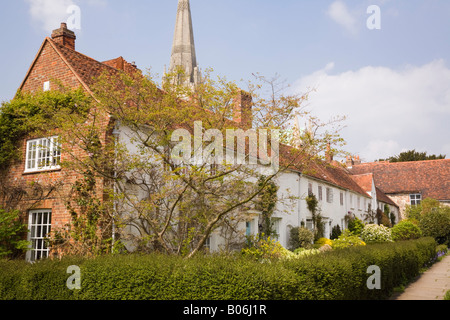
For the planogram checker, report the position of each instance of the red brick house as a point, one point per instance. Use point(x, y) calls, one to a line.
point(41, 190)
point(408, 183)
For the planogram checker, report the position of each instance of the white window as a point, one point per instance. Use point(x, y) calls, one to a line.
point(342, 198)
point(309, 224)
point(359, 203)
point(415, 199)
point(310, 189)
point(329, 195)
point(39, 225)
point(47, 86)
point(319, 191)
point(43, 154)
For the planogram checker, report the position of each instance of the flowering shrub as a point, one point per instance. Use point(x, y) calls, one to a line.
point(347, 239)
point(265, 248)
point(376, 233)
point(324, 241)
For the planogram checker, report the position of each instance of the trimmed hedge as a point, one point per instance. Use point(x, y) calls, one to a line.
point(337, 274)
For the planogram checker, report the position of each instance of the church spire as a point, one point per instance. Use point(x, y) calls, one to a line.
point(183, 49)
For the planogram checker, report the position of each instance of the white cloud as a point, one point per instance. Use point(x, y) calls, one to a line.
point(49, 13)
point(339, 12)
point(388, 110)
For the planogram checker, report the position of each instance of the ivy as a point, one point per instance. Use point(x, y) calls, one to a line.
point(266, 203)
point(12, 231)
point(28, 114)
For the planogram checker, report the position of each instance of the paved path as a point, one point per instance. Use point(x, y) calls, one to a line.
point(431, 285)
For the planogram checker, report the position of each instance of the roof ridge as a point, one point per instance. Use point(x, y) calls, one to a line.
point(82, 54)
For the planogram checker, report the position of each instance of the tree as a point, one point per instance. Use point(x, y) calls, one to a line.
point(158, 188)
point(413, 155)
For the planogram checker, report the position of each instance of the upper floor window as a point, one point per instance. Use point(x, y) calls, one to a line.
point(319, 191)
point(310, 189)
point(415, 199)
point(341, 198)
point(43, 154)
point(329, 195)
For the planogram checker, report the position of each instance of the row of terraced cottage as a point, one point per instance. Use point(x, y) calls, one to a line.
point(342, 189)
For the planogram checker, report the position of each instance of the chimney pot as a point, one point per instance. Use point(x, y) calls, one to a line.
point(64, 36)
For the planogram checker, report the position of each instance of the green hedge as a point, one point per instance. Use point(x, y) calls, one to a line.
point(337, 274)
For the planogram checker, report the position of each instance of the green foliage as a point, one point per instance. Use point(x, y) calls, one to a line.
point(266, 203)
point(355, 225)
point(447, 295)
point(12, 234)
point(426, 205)
point(405, 230)
point(89, 233)
point(301, 238)
point(347, 239)
point(413, 155)
point(376, 233)
point(335, 232)
point(333, 275)
point(436, 224)
point(264, 248)
point(31, 113)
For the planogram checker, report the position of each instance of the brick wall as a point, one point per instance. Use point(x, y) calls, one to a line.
point(50, 189)
point(49, 67)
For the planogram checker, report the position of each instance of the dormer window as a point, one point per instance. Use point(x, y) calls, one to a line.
point(43, 154)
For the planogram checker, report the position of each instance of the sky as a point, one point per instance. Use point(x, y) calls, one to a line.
point(384, 64)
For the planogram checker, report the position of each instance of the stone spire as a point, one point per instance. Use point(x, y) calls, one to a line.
point(183, 49)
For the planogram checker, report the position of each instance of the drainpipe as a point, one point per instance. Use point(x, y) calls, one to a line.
point(299, 200)
point(116, 134)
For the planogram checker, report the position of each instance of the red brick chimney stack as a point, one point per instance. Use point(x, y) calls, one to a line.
point(329, 154)
point(243, 109)
point(64, 36)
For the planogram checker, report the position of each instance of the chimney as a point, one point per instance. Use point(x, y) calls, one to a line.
point(349, 161)
point(64, 36)
point(329, 154)
point(357, 160)
point(243, 110)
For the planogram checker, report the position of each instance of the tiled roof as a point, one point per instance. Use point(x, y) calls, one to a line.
point(85, 67)
point(318, 169)
point(430, 178)
point(364, 181)
point(384, 198)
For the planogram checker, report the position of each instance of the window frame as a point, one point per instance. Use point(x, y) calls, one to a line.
point(330, 194)
point(417, 199)
point(37, 150)
point(39, 227)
